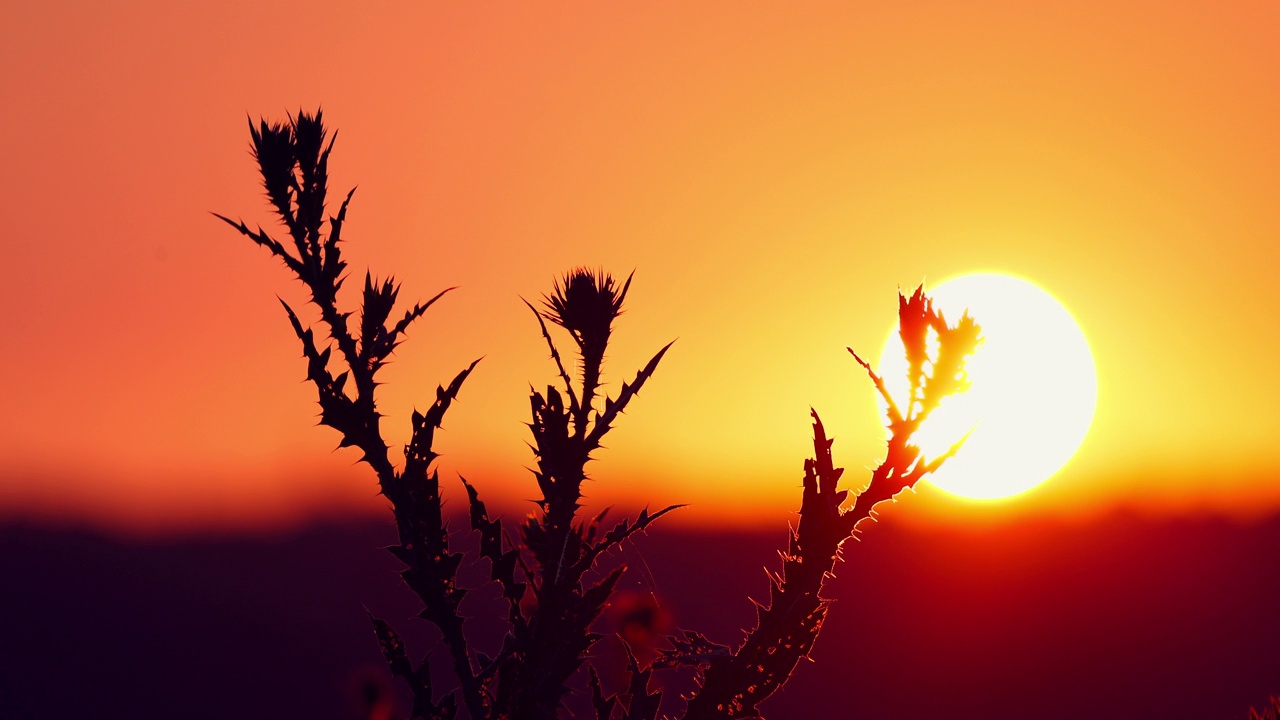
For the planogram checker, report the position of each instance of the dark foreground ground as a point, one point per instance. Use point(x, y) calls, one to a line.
point(1122, 618)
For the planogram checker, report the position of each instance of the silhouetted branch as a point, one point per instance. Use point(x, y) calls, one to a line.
point(642, 704)
point(555, 355)
point(419, 681)
point(586, 304)
point(531, 684)
point(293, 162)
point(618, 534)
point(502, 565)
point(895, 415)
point(260, 237)
point(612, 408)
point(733, 684)
point(603, 706)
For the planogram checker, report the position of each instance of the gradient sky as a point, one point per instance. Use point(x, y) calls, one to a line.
point(772, 173)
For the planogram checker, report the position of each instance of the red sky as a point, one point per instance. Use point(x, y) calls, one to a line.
point(772, 173)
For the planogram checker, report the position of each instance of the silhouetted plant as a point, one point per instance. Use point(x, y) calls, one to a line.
point(293, 159)
point(529, 675)
point(734, 682)
point(546, 650)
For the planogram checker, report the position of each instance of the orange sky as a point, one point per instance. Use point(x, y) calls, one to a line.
point(773, 173)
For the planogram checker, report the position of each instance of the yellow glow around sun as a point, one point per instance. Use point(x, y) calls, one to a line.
point(1033, 389)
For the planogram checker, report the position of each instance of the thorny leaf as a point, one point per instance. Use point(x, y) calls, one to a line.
point(501, 565)
point(555, 356)
point(642, 704)
point(392, 647)
point(955, 344)
point(612, 408)
point(619, 533)
point(913, 327)
point(602, 705)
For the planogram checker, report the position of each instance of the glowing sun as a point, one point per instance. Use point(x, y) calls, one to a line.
point(1033, 389)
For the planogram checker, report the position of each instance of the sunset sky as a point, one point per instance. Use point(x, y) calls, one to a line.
point(772, 172)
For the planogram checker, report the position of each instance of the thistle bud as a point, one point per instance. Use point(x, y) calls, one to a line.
point(585, 303)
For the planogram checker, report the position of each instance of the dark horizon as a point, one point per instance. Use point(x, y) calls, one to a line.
point(1115, 618)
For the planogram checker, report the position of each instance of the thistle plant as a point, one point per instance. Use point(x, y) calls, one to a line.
point(549, 648)
point(550, 574)
point(733, 682)
point(293, 159)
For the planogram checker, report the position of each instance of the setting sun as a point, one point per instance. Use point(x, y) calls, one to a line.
point(1032, 394)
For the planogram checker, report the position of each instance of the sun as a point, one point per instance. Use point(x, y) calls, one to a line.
point(1033, 391)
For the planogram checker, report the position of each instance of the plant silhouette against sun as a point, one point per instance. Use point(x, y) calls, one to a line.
point(550, 632)
point(734, 682)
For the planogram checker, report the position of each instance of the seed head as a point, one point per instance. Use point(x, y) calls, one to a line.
point(585, 303)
